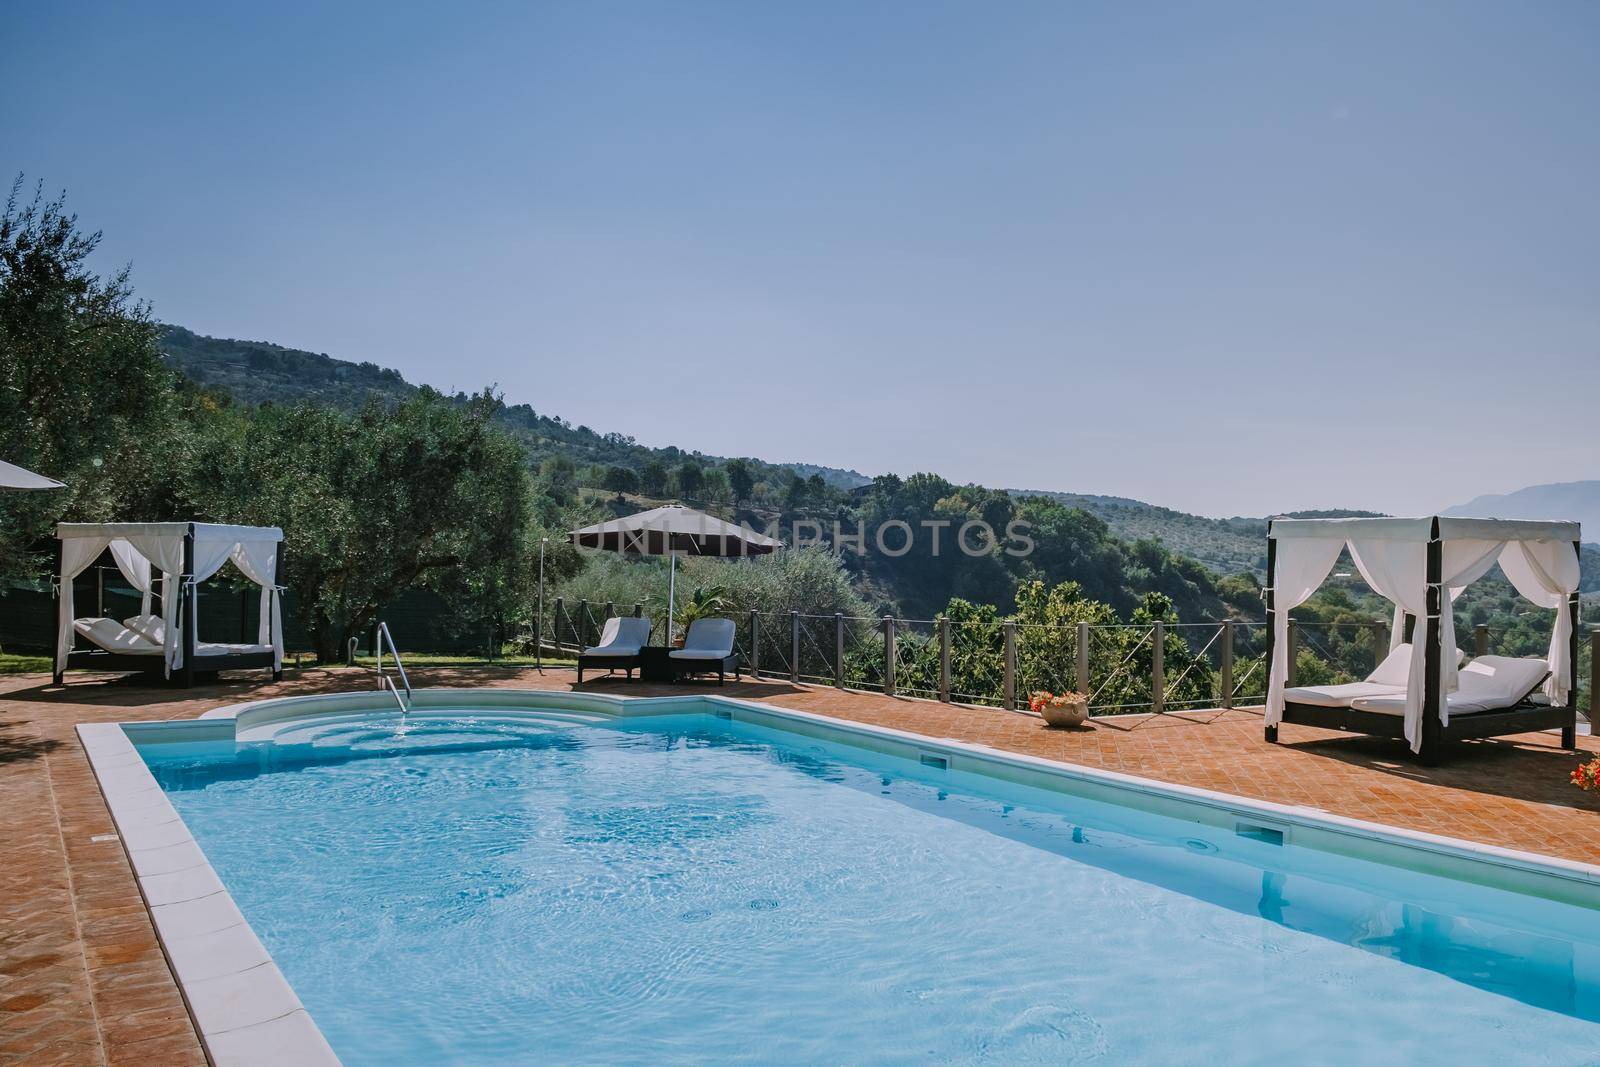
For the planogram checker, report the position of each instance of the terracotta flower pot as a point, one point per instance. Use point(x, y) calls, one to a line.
point(1071, 713)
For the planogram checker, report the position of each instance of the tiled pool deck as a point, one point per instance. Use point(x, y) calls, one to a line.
point(83, 979)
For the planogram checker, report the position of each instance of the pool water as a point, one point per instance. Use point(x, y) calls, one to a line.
point(686, 889)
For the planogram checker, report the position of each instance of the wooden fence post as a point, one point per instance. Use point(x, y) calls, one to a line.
point(755, 645)
point(1082, 679)
point(838, 650)
point(944, 659)
point(1227, 664)
point(1008, 678)
point(1158, 669)
point(888, 655)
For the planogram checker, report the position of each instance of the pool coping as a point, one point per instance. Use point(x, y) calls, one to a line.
point(246, 1013)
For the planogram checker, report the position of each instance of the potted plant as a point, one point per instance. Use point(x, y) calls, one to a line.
point(1059, 709)
point(704, 603)
point(1587, 776)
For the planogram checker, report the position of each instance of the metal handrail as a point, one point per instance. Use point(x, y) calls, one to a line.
point(383, 679)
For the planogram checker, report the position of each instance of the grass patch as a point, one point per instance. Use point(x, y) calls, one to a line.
point(14, 664)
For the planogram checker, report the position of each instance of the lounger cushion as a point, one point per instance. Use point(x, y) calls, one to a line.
point(1502, 677)
point(1395, 669)
point(1488, 683)
point(1340, 696)
point(150, 627)
point(622, 636)
point(1386, 680)
point(210, 648)
point(112, 636)
point(707, 639)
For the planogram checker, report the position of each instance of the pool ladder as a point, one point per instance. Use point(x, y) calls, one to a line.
point(384, 681)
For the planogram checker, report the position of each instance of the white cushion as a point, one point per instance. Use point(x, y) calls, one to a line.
point(1339, 696)
point(709, 635)
point(1389, 705)
point(1396, 666)
point(1488, 683)
point(112, 636)
point(150, 627)
point(209, 648)
point(711, 655)
point(622, 635)
point(1501, 677)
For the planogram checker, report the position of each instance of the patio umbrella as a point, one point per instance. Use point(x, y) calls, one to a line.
point(674, 531)
point(15, 477)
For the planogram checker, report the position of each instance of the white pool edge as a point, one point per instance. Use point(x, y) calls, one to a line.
point(244, 1010)
point(247, 1014)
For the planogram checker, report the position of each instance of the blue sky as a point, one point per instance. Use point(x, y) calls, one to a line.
point(1232, 258)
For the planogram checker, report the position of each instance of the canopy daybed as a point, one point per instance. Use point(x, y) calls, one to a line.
point(1422, 694)
point(185, 554)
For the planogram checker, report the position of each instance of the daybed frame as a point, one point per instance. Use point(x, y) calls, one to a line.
point(1524, 717)
point(194, 661)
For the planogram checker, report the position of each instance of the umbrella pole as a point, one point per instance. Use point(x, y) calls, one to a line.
point(672, 588)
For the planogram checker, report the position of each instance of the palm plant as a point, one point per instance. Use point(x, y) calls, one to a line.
point(706, 602)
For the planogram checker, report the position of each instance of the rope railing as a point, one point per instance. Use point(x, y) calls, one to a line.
point(1123, 668)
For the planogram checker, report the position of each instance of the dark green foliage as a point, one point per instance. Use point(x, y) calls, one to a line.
point(425, 492)
point(740, 479)
point(84, 397)
point(621, 480)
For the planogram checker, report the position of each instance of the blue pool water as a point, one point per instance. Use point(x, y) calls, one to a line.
point(685, 889)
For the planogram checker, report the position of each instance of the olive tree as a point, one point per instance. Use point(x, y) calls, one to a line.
point(424, 492)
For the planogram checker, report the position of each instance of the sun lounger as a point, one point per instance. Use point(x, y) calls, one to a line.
point(1488, 683)
point(620, 643)
point(151, 628)
point(707, 647)
point(116, 638)
point(1387, 679)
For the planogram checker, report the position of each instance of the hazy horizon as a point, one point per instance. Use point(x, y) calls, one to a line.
point(1230, 260)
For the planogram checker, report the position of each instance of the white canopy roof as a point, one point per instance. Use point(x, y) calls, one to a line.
point(1451, 528)
point(204, 532)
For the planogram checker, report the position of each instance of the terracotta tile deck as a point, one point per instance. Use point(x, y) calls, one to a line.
point(83, 979)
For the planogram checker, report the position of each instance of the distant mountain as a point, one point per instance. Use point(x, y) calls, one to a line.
point(1578, 501)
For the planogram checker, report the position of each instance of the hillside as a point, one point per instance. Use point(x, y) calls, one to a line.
point(259, 372)
point(1227, 546)
point(255, 372)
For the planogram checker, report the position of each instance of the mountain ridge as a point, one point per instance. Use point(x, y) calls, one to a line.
point(1573, 501)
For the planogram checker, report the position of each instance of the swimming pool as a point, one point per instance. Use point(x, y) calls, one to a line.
point(718, 883)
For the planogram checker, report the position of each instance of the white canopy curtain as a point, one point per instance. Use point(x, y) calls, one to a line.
point(1391, 554)
point(1547, 575)
point(137, 547)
